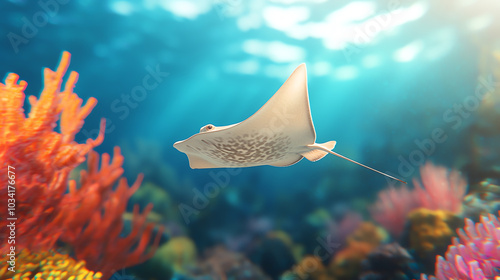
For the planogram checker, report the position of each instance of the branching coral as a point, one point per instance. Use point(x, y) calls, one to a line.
point(47, 265)
point(440, 190)
point(88, 217)
point(474, 255)
point(41, 157)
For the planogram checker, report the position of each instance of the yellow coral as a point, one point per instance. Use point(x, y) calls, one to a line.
point(47, 265)
point(369, 233)
point(431, 230)
point(178, 253)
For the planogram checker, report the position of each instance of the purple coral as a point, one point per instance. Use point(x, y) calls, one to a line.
point(474, 255)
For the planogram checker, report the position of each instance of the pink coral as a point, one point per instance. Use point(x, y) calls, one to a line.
point(474, 255)
point(392, 207)
point(440, 190)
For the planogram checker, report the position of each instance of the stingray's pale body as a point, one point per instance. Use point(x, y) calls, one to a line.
point(280, 133)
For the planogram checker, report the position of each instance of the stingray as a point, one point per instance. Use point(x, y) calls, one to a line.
point(280, 133)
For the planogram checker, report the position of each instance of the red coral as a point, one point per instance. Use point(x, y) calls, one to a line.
point(442, 190)
point(88, 217)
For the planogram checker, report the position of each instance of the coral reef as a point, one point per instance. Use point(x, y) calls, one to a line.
point(163, 203)
point(86, 216)
point(388, 261)
point(475, 254)
point(483, 199)
point(47, 265)
point(41, 157)
point(368, 233)
point(343, 227)
point(394, 205)
point(179, 253)
point(223, 264)
point(296, 249)
point(430, 231)
point(438, 183)
point(392, 208)
point(347, 263)
point(274, 253)
point(309, 268)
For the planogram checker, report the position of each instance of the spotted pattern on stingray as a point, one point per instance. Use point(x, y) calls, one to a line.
point(247, 148)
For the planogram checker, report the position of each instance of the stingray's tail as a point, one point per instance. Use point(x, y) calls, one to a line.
point(325, 148)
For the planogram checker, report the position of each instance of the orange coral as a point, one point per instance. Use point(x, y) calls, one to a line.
point(88, 217)
point(347, 263)
point(41, 157)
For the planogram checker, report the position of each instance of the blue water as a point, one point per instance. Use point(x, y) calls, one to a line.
point(220, 61)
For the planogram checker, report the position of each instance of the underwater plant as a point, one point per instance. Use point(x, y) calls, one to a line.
point(394, 204)
point(474, 255)
point(38, 159)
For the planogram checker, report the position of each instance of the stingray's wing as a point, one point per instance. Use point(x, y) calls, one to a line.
point(287, 111)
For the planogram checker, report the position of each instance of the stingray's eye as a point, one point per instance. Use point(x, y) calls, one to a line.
point(207, 127)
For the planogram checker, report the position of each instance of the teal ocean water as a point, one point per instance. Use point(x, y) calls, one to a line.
point(395, 83)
